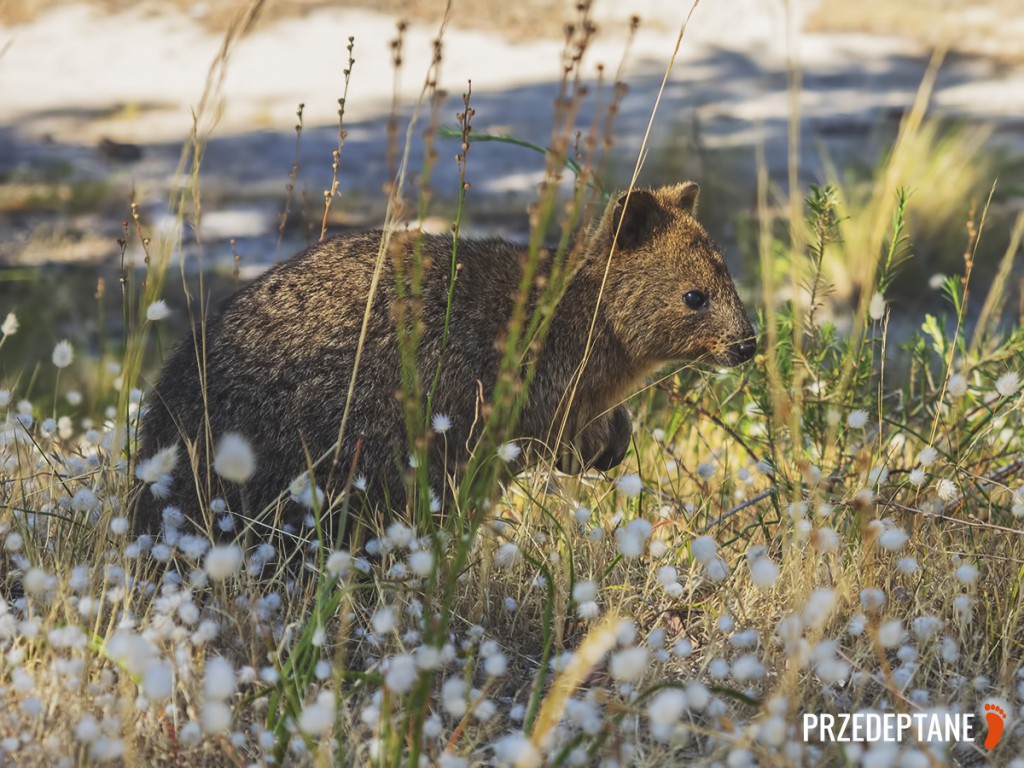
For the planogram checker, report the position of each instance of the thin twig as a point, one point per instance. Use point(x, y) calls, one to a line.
point(748, 503)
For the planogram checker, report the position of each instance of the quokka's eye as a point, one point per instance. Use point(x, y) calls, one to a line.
point(695, 300)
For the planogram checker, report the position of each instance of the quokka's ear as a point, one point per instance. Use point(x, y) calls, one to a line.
point(686, 196)
point(635, 215)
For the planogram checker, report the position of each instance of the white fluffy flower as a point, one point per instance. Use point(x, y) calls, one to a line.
point(190, 733)
point(223, 561)
point(718, 668)
point(819, 607)
point(450, 760)
point(453, 696)
point(10, 326)
point(872, 598)
point(949, 650)
point(158, 680)
point(107, 750)
point(666, 575)
point(683, 649)
point(399, 536)
point(891, 633)
point(629, 664)
point(927, 456)
point(401, 673)
point(926, 627)
point(717, 569)
point(219, 679)
point(440, 423)
point(234, 459)
point(506, 555)
point(161, 463)
point(318, 716)
point(63, 354)
point(516, 751)
point(496, 665)
point(917, 477)
point(747, 667)
point(878, 476)
point(967, 574)
point(508, 452)
point(1008, 384)
point(305, 492)
point(893, 539)
point(625, 632)
point(856, 625)
point(706, 470)
point(584, 591)
point(215, 717)
point(421, 562)
point(157, 310)
point(338, 563)
point(630, 485)
point(383, 620)
point(704, 549)
point(87, 729)
point(946, 489)
point(907, 565)
point(857, 419)
point(629, 542)
point(876, 309)
point(763, 572)
point(84, 500)
point(957, 385)
point(826, 540)
point(667, 706)
point(36, 582)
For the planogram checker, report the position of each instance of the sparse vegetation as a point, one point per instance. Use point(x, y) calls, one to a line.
point(835, 527)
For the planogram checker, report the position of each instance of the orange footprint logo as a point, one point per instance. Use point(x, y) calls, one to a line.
point(996, 719)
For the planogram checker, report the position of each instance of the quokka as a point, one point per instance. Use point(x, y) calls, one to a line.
point(274, 365)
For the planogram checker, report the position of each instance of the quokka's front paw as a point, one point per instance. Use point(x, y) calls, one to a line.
point(619, 435)
point(601, 445)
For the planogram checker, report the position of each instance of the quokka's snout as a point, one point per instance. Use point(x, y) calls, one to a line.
point(742, 346)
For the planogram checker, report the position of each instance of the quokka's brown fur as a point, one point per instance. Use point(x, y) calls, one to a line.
point(276, 363)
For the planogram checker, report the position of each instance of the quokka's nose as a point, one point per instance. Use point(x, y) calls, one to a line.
point(744, 350)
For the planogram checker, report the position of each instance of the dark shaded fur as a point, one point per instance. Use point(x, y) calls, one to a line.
point(279, 355)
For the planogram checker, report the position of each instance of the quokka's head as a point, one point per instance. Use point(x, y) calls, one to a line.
point(669, 296)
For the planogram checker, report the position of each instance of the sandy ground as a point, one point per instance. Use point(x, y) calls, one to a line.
point(73, 77)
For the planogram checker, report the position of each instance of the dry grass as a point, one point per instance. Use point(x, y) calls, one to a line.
point(809, 533)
